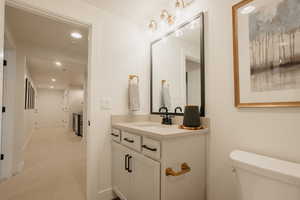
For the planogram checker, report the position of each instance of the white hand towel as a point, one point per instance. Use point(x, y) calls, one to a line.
point(166, 97)
point(134, 96)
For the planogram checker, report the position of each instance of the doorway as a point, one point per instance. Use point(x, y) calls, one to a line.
point(47, 63)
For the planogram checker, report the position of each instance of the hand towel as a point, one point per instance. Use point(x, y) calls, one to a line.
point(134, 96)
point(166, 97)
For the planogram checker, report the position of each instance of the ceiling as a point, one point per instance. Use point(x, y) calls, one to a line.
point(46, 41)
point(137, 11)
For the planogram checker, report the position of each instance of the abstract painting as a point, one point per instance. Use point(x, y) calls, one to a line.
point(266, 41)
point(275, 46)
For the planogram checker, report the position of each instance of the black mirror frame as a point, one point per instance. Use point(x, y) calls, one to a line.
point(202, 60)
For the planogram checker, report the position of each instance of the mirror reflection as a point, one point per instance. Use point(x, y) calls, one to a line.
point(178, 70)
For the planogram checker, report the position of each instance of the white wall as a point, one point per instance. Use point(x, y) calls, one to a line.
point(30, 118)
point(118, 48)
point(273, 132)
point(50, 105)
point(17, 122)
point(76, 103)
point(19, 110)
point(8, 126)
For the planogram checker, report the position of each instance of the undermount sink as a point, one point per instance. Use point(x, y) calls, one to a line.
point(152, 125)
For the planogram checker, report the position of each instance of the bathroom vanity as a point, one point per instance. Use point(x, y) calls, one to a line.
point(151, 161)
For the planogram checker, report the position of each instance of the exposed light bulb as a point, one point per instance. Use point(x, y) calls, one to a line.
point(53, 80)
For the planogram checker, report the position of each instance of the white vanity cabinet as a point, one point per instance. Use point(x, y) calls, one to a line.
point(135, 176)
point(146, 166)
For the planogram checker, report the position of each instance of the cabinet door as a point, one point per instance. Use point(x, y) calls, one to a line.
point(145, 178)
point(120, 176)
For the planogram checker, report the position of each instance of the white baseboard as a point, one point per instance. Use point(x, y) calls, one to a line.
point(106, 194)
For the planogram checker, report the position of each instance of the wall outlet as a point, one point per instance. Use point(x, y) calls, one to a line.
point(106, 103)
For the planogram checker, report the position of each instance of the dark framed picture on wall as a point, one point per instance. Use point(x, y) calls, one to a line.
point(266, 45)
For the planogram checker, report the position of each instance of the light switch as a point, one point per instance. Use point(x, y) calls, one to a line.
point(106, 103)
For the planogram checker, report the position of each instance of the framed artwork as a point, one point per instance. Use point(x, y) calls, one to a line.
point(29, 95)
point(26, 93)
point(266, 45)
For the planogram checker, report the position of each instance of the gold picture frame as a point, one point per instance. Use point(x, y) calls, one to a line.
point(236, 67)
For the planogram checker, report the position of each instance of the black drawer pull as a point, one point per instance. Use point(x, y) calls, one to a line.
point(115, 135)
point(129, 164)
point(126, 162)
point(148, 148)
point(128, 140)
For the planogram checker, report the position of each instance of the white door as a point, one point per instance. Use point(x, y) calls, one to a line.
point(2, 6)
point(120, 174)
point(145, 178)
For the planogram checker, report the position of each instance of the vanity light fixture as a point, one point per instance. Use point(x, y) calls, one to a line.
point(168, 19)
point(53, 80)
point(76, 35)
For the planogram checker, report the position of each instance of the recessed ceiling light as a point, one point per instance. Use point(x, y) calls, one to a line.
point(76, 35)
point(247, 10)
point(57, 63)
point(51, 86)
point(53, 80)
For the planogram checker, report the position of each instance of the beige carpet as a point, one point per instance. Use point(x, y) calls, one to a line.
point(55, 169)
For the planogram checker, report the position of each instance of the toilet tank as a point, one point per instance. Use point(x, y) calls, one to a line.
point(264, 178)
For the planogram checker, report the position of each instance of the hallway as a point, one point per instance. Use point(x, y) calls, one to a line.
point(55, 168)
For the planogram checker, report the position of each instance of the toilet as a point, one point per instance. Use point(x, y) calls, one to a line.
point(264, 178)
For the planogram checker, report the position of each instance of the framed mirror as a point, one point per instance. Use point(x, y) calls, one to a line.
point(177, 68)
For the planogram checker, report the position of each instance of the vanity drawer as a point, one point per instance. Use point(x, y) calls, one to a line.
point(151, 148)
point(131, 141)
point(116, 135)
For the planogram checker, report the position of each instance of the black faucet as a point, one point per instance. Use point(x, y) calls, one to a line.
point(178, 108)
point(167, 119)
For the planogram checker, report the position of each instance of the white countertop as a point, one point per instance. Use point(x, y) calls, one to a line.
point(157, 130)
